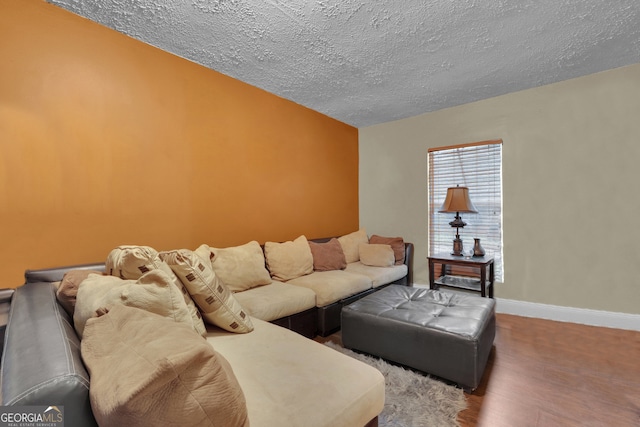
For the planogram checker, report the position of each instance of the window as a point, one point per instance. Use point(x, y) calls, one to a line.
point(477, 166)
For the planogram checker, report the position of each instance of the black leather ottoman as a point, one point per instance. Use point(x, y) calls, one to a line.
point(445, 334)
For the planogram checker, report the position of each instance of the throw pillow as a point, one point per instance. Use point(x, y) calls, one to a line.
point(290, 259)
point(216, 302)
point(239, 267)
point(376, 255)
point(131, 262)
point(148, 371)
point(350, 244)
point(328, 256)
point(68, 288)
point(153, 292)
point(396, 243)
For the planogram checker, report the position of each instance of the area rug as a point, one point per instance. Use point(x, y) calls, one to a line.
point(413, 399)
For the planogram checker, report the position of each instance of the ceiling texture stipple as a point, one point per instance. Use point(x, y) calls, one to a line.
point(369, 62)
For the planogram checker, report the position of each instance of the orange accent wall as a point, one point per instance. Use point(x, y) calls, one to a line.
point(105, 140)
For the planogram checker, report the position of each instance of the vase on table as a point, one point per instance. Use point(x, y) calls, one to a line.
point(478, 251)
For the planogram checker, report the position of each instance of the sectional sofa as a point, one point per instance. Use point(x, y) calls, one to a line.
point(108, 342)
point(305, 290)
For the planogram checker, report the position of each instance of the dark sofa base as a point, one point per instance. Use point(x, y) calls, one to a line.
point(330, 316)
point(305, 323)
point(326, 320)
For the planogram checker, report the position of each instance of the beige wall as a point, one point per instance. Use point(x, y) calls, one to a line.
point(571, 166)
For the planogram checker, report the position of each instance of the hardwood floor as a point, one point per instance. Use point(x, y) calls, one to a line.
point(543, 373)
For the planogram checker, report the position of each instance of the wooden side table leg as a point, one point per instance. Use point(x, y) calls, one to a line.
point(483, 281)
point(491, 280)
point(432, 281)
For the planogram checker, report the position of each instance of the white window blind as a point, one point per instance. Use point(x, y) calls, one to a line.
point(477, 166)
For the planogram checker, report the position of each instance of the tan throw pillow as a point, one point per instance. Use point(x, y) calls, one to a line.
point(216, 302)
point(290, 259)
point(350, 244)
point(327, 256)
point(376, 255)
point(148, 371)
point(131, 262)
point(239, 267)
point(396, 243)
point(68, 288)
point(153, 292)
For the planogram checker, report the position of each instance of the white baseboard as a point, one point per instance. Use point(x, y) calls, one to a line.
point(607, 319)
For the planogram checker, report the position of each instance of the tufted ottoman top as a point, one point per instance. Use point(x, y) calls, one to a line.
point(463, 315)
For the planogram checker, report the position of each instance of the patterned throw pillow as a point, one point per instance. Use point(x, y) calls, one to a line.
point(216, 302)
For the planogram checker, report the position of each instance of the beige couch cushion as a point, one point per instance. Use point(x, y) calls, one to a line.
point(217, 304)
point(351, 242)
point(377, 255)
point(131, 262)
point(396, 243)
point(68, 288)
point(379, 276)
point(328, 256)
point(153, 292)
point(276, 300)
point(239, 267)
point(289, 260)
point(148, 371)
point(331, 286)
point(290, 380)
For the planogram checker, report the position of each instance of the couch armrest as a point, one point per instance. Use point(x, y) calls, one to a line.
point(56, 274)
point(41, 362)
point(408, 261)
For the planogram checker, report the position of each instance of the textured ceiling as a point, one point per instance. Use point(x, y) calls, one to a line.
point(368, 62)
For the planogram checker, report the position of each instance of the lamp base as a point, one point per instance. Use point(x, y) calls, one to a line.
point(457, 247)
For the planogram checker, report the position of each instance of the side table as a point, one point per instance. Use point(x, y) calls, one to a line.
point(481, 284)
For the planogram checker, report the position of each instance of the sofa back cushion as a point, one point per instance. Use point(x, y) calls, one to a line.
point(396, 243)
point(350, 244)
point(149, 371)
point(290, 259)
point(376, 255)
point(68, 288)
point(239, 267)
point(328, 256)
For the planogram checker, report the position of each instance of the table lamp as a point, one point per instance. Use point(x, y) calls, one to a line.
point(457, 201)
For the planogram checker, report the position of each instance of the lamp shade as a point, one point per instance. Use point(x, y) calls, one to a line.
point(457, 200)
